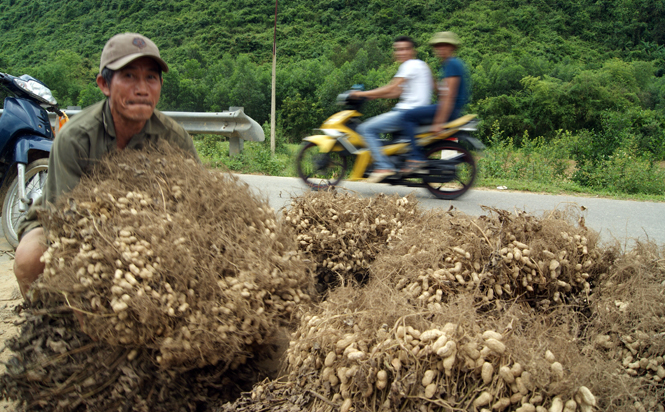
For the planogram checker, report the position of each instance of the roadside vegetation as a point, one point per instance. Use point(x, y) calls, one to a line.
point(535, 166)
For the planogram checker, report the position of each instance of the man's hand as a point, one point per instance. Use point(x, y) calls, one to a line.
point(356, 94)
point(436, 129)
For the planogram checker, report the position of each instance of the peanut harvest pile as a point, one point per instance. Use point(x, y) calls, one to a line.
point(166, 262)
point(187, 282)
point(506, 312)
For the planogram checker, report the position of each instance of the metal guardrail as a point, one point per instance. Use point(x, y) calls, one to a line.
point(234, 124)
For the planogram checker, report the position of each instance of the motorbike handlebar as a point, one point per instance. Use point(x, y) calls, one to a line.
point(347, 99)
point(54, 109)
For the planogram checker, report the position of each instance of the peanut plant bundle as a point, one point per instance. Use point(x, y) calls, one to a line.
point(497, 257)
point(159, 252)
point(343, 233)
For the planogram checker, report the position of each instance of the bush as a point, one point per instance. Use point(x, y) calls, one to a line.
point(532, 160)
point(626, 171)
point(208, 146)
point(254, 158)
point(262, 161)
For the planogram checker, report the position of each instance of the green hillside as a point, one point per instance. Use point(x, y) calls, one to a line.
point(590, 67)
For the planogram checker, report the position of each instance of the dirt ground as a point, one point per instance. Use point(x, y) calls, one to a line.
point(10, 297)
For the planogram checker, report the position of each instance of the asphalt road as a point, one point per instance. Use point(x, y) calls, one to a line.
point(621, 220)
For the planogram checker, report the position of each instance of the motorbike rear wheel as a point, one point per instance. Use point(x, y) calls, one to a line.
point(455, 170)
point(35, 180)
point(320, 170)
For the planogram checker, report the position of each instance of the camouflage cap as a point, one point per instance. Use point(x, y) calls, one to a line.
point(124, 48)
point(447, 37)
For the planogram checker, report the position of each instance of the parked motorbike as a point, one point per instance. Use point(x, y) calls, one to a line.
point(26, 137)
point(324, 159)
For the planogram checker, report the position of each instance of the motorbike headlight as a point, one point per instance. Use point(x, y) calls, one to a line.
point(332, 133)
point(36, 89)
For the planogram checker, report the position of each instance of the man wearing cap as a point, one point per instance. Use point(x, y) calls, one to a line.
point(413, 85)
point(130, 76)
point(453, 96)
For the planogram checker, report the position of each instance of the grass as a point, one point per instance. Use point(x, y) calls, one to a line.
point(551, 166)
point(562, 188)
point(255, 157)
point(538, 168)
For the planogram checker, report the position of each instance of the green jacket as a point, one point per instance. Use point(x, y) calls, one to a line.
point(87, 138)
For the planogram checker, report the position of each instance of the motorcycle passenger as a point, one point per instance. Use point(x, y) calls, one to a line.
point(413, 85)
point(453, 96)
point(130, 76)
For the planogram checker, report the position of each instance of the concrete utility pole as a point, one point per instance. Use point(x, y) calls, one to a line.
point(274, 76)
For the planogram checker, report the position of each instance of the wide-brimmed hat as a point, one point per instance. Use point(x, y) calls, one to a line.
point(447, 37)
point(124, 48)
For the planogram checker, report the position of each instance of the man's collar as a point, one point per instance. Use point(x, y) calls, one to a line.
point(107, 119)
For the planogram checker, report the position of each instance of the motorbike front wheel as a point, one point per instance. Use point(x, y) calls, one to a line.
point(453, 170)
point(35, 179)
point(320, 170)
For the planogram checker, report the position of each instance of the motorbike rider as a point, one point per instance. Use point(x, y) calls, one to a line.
point(130, 76)
point(453, 96)
point(413, 85)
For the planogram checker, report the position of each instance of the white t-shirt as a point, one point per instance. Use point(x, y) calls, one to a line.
point(417, 88)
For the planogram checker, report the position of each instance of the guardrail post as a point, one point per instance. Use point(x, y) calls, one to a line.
point(236, 144)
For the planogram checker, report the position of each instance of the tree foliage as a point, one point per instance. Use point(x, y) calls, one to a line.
point(594, 68)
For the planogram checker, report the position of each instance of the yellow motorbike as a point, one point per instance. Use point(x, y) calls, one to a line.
point(324, 159)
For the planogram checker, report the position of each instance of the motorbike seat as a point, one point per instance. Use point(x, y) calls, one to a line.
point(459, 122)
